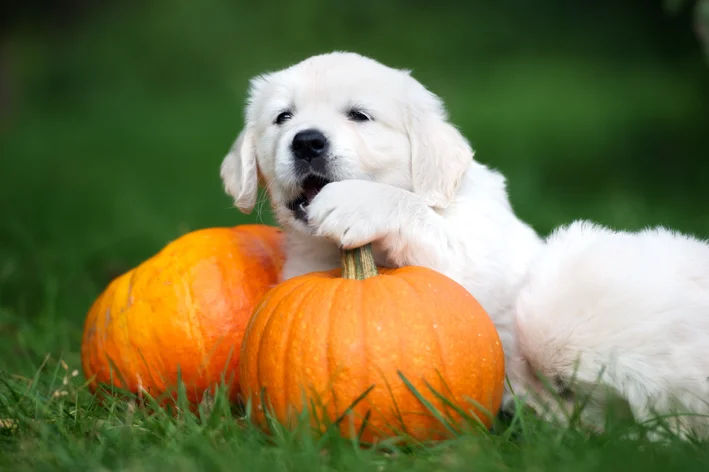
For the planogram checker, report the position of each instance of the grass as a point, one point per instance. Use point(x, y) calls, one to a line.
point(51, 422)
point(112, 144)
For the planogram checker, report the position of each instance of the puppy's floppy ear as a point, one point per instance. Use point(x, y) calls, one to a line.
point(440, 155)
point(239, 171)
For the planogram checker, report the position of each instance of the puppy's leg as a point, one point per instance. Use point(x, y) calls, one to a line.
point(352, 213)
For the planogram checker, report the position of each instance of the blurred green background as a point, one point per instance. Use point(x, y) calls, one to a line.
point(114, 118)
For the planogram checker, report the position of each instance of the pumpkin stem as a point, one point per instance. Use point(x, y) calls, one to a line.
point(358, 263)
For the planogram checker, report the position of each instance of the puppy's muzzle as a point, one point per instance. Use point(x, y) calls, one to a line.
point(310, 187)
point(310, 148)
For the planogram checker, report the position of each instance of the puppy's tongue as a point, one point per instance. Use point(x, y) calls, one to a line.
point(310, 193)
point(311, 187)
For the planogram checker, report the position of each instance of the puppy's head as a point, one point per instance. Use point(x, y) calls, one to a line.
point(342, 116)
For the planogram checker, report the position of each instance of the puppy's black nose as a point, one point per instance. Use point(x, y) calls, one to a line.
point(309, 144)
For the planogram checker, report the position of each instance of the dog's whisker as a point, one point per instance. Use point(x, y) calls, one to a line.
point(261, 202)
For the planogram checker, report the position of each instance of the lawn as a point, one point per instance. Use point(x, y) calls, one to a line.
point(117, 122)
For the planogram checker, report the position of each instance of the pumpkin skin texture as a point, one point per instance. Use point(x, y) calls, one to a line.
point(186, 306)
point(321, 340)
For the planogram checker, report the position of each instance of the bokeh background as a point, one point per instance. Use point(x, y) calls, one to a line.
point(114, 118)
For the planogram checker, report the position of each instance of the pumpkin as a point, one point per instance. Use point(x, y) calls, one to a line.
point(186, 308)
point(378, 353)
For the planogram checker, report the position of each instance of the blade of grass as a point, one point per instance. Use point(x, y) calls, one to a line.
point(429, 406)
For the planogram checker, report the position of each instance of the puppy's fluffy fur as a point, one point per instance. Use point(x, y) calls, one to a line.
point(616, 315)
point(397, 174)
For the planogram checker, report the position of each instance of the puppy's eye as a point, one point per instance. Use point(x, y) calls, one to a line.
point(358, 115)
point(283, 117)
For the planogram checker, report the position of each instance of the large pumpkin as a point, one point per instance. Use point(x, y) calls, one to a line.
point(185, 308)
point(402, 337)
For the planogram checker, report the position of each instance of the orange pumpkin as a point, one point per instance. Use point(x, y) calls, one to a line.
point(187, 307)
point(402, 337)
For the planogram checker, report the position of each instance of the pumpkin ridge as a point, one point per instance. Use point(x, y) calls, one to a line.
point(365, 345)
point(160, 343)
point(141, 355)
point(244, 367)
point(308, 292)
point(435, 319)
point(380, 292)
point(124, 326)
point(430, 422)
point(433, 315)
point(392, 282)
point(336, 289)
point(193, 327)
point(129, 292)
point(205, 366)
point(157, 359)
point(263, 303)
point(245, 239)
point(264, 334)
point(412, 293)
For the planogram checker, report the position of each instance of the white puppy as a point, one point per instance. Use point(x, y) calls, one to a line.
point(608, 315)
point(351, 152)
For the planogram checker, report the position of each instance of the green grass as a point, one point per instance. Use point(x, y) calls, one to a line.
point(51, 422)
point(112, 145)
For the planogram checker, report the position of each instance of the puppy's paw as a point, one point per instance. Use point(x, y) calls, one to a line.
point(353, 213)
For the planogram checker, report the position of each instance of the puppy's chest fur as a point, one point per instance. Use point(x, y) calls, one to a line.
point(307, 254)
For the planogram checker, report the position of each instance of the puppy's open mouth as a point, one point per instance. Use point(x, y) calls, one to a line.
point(311, 186)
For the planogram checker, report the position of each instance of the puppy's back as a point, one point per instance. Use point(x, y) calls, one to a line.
point(634, 304)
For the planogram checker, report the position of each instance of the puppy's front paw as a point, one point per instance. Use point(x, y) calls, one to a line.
point(353, 213)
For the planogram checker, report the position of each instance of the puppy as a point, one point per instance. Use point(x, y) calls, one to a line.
point(606, 315)
point(354, 152)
